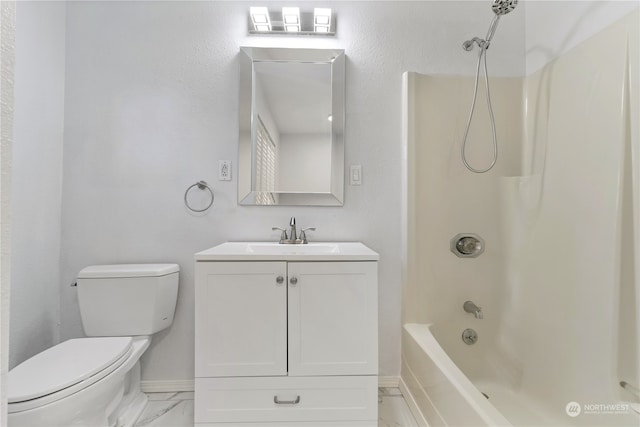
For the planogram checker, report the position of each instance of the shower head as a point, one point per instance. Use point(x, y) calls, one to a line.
point(502, 7)
point(499, 7)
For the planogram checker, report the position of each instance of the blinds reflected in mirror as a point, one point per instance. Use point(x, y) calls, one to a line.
point(265, 166)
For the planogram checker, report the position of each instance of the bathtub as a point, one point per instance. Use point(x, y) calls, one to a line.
point(436, 389)
point(440, 394)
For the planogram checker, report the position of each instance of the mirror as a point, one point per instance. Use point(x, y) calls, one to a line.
point(291, 141)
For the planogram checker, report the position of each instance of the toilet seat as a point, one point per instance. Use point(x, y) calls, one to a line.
point(65, 369)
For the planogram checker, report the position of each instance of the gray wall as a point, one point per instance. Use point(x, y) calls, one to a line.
point(149, 105)
point(37, 178)
point(152, 104)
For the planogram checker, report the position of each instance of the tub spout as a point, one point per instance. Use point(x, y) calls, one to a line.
point(470, 307)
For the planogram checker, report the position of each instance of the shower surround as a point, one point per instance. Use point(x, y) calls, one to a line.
point(559, 281)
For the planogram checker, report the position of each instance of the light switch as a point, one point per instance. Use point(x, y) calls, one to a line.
point(356, 174)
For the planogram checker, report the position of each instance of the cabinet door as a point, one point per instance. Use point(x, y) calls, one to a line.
point(333, 318)
point(241, 319)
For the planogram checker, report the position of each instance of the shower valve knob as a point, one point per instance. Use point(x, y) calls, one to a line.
point(467, 245)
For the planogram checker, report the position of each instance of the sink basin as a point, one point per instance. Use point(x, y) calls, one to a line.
point(309, 248)
point(273, 251)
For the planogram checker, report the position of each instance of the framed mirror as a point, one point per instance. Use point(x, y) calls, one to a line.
point(291, 140)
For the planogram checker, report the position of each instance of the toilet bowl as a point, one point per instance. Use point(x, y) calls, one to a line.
point(95, 381)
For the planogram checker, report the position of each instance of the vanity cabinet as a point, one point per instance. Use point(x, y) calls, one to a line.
point(286, 341)
point(241, 319)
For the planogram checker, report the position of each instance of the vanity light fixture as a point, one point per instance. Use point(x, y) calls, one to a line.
point(290, 20)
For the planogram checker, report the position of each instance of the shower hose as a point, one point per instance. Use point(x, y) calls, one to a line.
point(482, 58)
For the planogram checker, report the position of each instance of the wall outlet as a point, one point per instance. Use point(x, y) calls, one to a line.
point(224, 170)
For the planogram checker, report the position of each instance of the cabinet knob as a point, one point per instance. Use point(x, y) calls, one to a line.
point(279, 280)
point(293, 281)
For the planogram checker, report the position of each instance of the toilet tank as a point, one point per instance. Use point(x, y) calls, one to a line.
point(127, 299)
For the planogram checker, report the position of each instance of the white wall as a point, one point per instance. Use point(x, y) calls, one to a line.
point(151, 106)
point(7, 72)
point(587, 101)
point(554, 27)
point(37, 178)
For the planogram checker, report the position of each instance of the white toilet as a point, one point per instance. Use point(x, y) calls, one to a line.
point(96, 381)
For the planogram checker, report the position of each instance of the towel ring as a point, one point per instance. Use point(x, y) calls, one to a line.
point(201, 185)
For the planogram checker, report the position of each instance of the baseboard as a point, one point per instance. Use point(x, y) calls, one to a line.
point(168, 386)
point(388, 381)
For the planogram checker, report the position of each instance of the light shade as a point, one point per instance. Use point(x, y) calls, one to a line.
point(291, 15)
point(291, 19)
point(321, 19)
point(260, 18)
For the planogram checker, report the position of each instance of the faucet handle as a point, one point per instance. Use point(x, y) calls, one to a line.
point(283, 235)
point(303, 235)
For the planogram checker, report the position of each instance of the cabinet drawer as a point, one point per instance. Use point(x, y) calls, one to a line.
point(300, 399)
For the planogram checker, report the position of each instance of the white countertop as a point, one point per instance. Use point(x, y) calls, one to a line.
point(273, 251)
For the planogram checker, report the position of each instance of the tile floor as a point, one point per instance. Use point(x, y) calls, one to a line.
point(176, 410)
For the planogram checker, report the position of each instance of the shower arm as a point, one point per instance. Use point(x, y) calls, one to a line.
point(483, 44)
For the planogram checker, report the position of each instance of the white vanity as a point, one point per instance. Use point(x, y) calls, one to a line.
point(286, 335)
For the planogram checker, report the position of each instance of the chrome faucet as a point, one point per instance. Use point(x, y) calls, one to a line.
point(293, 237)
point(470, 307)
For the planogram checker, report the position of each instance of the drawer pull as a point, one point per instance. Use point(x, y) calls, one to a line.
point(286, 402)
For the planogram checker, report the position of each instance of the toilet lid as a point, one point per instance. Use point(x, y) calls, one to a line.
point(127, 270)
point(64, 365)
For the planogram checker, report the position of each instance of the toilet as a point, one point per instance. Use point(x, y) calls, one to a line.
point(95, 381)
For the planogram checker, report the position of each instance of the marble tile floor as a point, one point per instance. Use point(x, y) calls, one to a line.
point(176, 410)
